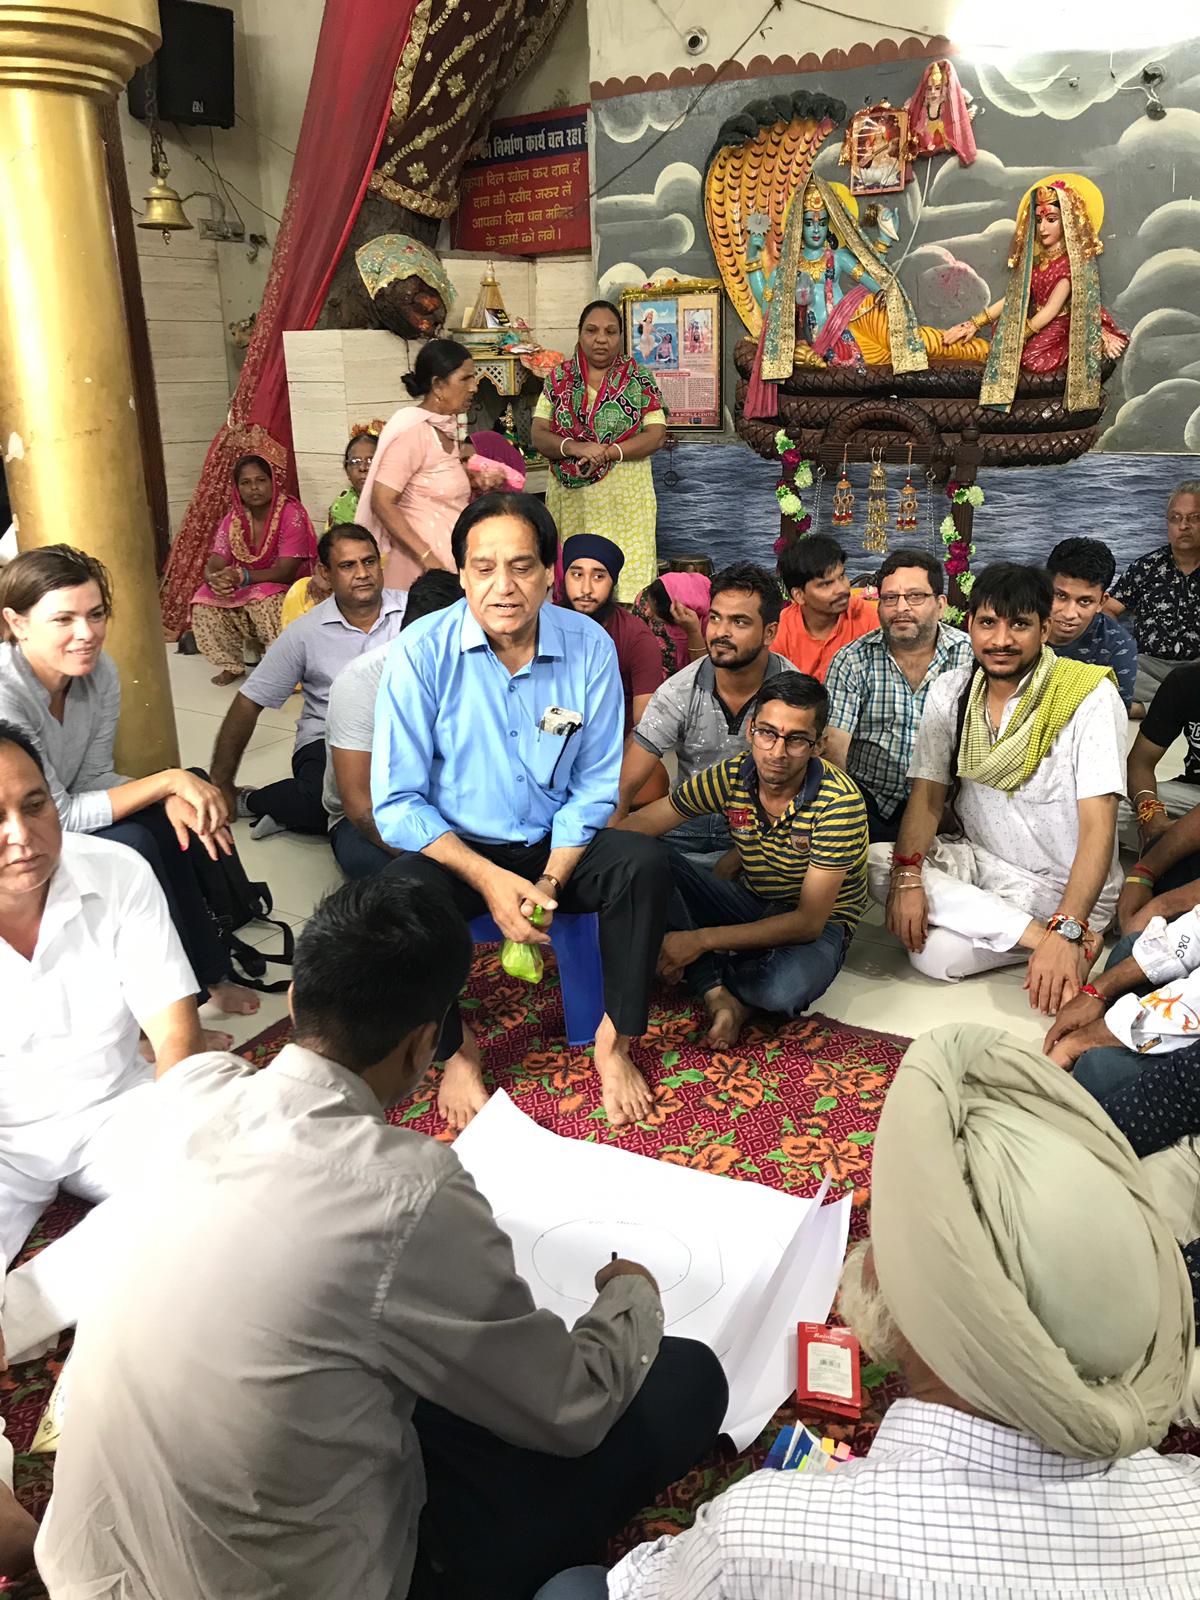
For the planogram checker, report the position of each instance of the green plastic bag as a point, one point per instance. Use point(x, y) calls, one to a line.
point(524, 961)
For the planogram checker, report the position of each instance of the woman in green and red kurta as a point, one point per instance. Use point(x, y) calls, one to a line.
point(598, 422)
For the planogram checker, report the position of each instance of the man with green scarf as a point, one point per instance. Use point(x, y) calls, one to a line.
point(1027, 750)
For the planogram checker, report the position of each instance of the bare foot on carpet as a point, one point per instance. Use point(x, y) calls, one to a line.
point(462, 1093)
point(729, 1017)
point(626, 1095)
point(222, 678)
point(234, 999)
point(18, 1530)
point(216, 1039)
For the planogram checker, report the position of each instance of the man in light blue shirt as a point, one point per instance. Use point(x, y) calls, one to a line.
point(494, 771)
point(359, 615)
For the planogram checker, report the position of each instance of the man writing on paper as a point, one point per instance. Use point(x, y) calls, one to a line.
point(314, 1328)
point(774, 936)
point(494, 772)
point(1021, 1277)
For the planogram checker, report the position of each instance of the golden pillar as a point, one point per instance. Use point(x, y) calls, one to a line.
point(68, 426)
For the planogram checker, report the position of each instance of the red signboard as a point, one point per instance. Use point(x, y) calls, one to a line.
point(527, 195)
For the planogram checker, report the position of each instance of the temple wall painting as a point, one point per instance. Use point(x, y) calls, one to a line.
point(1084, 113)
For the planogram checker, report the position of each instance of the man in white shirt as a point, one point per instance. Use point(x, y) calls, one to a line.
point(315, 1326)
point(1145, 1003)
point(350, 732)
point(1021, 1277)
point(88, 957)
point(1028, 750)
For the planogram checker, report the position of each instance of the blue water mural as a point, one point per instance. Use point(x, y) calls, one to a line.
point(723, 506)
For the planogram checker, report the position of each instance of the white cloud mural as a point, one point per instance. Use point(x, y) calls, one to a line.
point(956, 223)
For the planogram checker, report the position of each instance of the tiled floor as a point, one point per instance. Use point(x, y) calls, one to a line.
point(876, 988)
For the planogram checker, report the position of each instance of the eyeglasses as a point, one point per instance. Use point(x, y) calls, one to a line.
point(359, 461)
point(766, 738)
point(1180, 516)
point(911, 597)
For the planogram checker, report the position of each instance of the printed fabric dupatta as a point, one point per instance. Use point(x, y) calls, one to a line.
point(1054, 693)
point(622, 402)
point(1084, 340)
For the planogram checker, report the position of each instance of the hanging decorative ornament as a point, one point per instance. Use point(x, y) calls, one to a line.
point(908, 516)
point(843, 499)
point(875, 537)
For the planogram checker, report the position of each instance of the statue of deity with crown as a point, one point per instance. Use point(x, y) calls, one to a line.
point(1050, 317)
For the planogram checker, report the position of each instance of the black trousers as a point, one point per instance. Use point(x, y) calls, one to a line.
point(500, 1521)
point(150, 833)
point(625, 877)
point(295, 802)
point(881, 829)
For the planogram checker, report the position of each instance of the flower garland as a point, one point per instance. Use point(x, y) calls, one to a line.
point(790, 503)
point(959, 550)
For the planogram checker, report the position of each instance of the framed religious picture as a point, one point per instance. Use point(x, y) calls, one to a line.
point(673, 329)
point(876, 146)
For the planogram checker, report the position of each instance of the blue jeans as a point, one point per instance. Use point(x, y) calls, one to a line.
point(1102, 1072)
point(785, 980)
point(580, 1583)
point(706, 838)
point(356, 855)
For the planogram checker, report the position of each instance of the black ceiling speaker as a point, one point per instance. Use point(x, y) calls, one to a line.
point(193, 68)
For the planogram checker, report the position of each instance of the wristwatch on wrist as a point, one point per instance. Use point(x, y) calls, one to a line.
point(1068, 928)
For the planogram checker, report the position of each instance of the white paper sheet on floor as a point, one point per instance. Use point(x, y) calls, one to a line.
point(738, 1264)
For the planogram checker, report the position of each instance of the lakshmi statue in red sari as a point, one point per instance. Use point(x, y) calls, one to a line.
point(1050, 318)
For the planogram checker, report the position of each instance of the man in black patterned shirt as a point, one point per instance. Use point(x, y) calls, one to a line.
point(1159, 595)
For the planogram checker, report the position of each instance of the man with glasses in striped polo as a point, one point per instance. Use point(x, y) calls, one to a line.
point(768, 928)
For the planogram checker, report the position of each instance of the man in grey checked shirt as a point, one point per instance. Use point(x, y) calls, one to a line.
point(878, 684)
point(1016, 1245)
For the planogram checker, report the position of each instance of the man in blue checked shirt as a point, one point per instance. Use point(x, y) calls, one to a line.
point(494, 771)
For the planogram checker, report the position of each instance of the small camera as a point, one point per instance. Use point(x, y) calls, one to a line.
point(695, 41)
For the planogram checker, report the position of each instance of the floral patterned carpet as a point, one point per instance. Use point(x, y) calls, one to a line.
point(781, 1109)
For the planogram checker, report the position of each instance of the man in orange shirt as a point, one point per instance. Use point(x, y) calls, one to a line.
point(824, 615)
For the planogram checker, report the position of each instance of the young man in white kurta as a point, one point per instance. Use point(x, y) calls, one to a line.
point(1018, 849)
point(88, 959)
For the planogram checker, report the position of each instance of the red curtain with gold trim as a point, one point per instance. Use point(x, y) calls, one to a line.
point(349, 102)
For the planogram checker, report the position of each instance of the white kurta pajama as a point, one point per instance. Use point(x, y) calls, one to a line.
point(74, 1092)
point(1018, 848)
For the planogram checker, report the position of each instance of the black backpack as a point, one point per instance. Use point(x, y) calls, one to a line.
point(233, 900)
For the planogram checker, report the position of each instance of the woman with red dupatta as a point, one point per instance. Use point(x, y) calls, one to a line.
point(598, 422)
point(264, 543)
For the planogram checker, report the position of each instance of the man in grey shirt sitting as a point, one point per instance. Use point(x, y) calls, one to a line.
point(359, 615)
point(350, 731)
point(314, 1328)
point(700, 712)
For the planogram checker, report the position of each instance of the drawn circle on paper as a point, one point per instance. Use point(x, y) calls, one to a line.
point(567, 1257)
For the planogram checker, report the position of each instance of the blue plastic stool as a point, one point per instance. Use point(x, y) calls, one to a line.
point(575, 941)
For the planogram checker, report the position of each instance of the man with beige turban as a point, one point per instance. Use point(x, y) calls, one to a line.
point(1039, 1308)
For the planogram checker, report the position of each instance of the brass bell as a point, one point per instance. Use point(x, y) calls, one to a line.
point(164, 211)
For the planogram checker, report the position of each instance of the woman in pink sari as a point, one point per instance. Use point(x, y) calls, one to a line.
point(264, 543)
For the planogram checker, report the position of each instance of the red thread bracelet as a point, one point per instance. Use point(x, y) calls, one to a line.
point(1091, 989)
point(907, 861)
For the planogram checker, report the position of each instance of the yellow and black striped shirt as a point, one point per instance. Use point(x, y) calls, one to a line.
point(824, 826)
